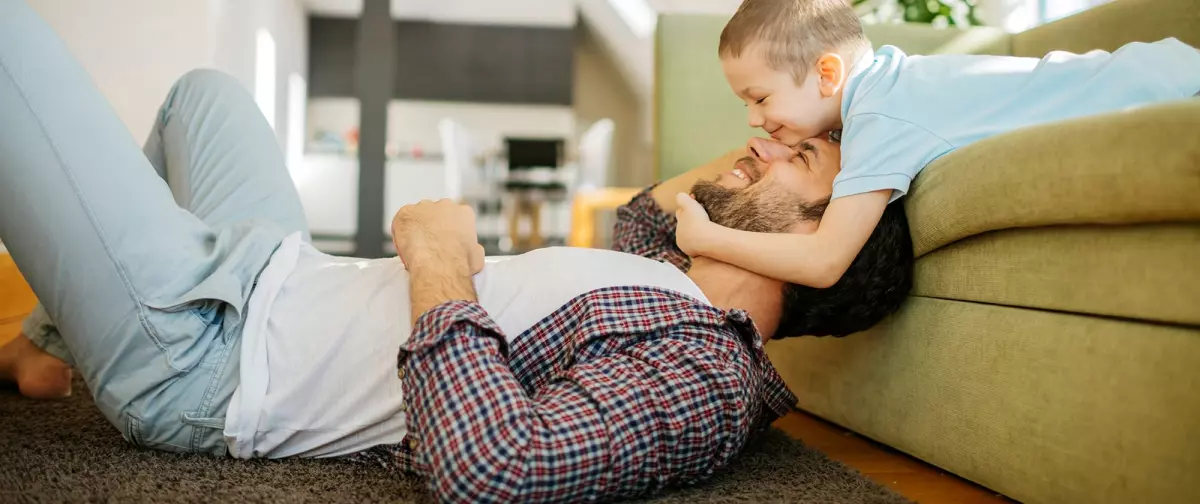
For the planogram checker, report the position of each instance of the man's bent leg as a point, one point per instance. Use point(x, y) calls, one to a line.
point(221, 160)
point(141, 289)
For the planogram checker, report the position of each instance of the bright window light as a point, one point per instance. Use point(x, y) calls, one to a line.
point(638, 14)
point(297, 96)
point(264, 74)
point(1058, 9)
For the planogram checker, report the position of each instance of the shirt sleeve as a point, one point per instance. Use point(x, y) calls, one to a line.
point(644, 229)
point(624, 415)
point(881, 152)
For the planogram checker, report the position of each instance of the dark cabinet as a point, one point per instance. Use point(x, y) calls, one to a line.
point(451, 62)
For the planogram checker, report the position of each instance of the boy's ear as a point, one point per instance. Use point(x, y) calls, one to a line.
point(831, 74)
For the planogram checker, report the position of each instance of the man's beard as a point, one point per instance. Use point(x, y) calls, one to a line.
point(767, 210)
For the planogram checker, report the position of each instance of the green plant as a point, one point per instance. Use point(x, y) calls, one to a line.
point(940, 13)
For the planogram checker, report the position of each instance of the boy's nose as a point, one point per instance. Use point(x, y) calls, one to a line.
point(756, 118)
point(766, 150)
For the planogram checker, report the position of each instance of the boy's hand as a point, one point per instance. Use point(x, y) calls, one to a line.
point(693, 230)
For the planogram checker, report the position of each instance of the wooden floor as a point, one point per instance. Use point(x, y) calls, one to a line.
point(906, 475)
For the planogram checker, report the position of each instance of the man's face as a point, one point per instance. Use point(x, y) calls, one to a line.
point(773, 187)
point(786, 110)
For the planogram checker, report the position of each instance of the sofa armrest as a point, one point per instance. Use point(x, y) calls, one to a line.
point(1135, 166)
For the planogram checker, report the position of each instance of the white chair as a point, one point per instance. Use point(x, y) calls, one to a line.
point(595, 154)
point(458, 155)
point(592, 192)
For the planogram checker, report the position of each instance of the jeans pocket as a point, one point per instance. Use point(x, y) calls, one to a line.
point(133, 430)
point(184, 330)
point(196, 420)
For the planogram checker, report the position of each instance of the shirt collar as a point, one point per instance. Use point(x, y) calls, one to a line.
point(854, 77)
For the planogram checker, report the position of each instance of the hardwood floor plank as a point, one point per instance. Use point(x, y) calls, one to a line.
point(906, 475)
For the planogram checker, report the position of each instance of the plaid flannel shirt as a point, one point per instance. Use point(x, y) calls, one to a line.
point(621, 392)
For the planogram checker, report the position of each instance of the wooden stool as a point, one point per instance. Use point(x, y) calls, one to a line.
point(584, 206)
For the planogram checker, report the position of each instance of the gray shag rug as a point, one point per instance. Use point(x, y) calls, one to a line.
point(64, 451)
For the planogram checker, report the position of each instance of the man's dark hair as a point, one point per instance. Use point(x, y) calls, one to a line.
point(876, 284)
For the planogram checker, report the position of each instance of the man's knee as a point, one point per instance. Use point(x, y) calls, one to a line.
point(199, 90)
point(206, 82)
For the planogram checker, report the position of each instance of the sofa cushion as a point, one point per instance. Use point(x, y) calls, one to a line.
point(1135, 166)
point(1145, 271)
point(1040, 406)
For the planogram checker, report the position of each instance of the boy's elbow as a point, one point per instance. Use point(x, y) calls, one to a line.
point(824, 281)
point(828, 274)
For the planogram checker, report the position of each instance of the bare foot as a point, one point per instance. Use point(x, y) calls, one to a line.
point(38, 375)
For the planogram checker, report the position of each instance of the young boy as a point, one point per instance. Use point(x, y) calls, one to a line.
point(804, 68)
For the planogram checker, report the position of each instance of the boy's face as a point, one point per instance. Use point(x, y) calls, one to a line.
point(789, 112)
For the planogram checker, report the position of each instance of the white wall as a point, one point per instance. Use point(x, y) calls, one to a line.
point(414, 123)
point(134, 49)
point(696, 6)
point(237, 23)
point(499, 12)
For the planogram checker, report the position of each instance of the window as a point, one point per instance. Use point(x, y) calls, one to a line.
point(264, 74)
point(297, 98)
point(1051, 10)
point(1021, 15)
point(638, 15)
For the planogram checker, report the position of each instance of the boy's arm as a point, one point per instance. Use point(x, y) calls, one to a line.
point(817, 260)
point(880, 155)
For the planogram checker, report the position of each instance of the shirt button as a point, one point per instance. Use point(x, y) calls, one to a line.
point(412, 443)
point(400, 373)
point(403, 406)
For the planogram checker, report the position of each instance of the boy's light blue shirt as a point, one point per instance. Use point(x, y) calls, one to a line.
point(900, 112)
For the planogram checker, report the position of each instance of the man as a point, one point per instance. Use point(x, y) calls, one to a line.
point(203, 322)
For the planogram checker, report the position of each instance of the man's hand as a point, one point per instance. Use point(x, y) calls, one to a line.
point(441, 233)
point(440, 248)
point(693, 230)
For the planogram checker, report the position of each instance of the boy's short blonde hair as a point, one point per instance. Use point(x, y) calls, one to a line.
point(792, 34)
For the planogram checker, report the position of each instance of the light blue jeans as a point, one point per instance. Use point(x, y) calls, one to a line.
point(143, 259)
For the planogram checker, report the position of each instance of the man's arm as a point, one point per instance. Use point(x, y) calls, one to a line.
point(648, 390)
point(626, 414)
point(817, 260)
point(440, 250)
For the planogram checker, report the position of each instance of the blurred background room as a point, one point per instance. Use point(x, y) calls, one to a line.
point(1047, 350)
point(524, 108)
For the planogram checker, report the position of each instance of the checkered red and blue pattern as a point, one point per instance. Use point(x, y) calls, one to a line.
point(621, 392)
point(644, 229)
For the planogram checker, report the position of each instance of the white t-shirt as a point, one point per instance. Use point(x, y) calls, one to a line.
point(318, 368)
